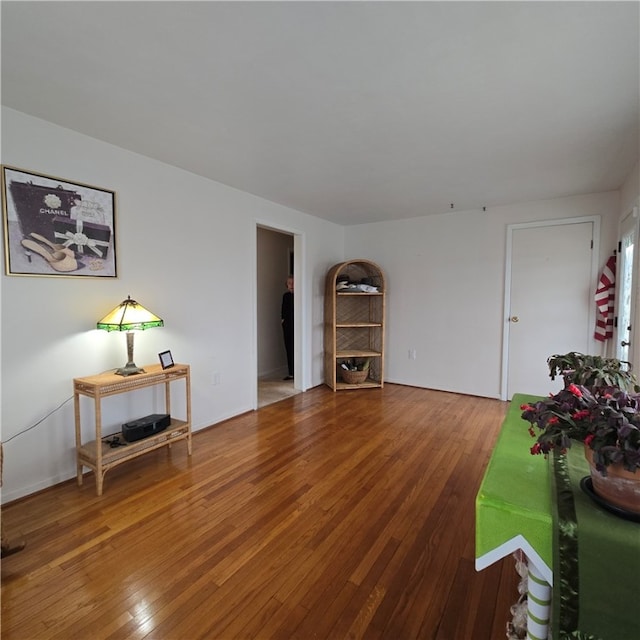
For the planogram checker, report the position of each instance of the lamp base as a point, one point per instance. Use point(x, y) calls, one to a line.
point(129, 369)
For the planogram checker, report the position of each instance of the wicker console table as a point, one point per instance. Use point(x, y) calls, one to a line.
point(97, 454)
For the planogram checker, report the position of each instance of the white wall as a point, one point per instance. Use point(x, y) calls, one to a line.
point(186, 249)
point(445, 277)
point(630, 191)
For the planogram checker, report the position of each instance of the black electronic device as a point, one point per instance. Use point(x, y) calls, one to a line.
point(145, 427)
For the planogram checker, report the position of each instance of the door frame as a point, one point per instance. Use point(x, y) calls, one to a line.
point(301, 333)
point(631, 216)
point(595, 257)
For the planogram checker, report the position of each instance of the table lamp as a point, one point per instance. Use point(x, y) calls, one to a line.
point(128, 316)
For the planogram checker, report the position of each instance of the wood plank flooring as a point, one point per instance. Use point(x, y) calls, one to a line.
point(326, 515)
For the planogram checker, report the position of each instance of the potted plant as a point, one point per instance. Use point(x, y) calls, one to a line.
point(604, 417)
point(593, 372)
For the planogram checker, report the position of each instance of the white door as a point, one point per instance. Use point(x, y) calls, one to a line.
point(549, 301)
point(625, 293)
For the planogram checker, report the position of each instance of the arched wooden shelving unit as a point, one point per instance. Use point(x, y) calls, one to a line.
point(354, 323)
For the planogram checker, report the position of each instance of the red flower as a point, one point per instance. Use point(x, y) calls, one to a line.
point(553, 420)
point(573, 389)
point(535, 450)
point(589, 438)
point(581, 415)
point(526, 407)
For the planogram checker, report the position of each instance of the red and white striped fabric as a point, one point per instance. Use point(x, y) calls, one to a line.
point(605, 298)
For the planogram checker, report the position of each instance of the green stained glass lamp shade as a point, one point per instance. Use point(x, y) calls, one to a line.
point(129, 316)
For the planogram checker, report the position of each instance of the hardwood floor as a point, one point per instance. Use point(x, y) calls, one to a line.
point(326, 515)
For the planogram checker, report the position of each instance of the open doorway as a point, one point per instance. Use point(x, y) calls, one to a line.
point(274, 264)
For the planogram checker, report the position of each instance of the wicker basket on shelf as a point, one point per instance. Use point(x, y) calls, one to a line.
point(354, 377)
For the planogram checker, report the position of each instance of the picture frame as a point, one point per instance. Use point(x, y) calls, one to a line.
point(56, 227)
point(166, 359)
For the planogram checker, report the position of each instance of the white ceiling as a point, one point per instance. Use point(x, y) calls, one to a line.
point(350, 111)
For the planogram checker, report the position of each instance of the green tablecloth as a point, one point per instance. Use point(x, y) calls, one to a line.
point(513, 505)
point(596, 561)
point(592, 559)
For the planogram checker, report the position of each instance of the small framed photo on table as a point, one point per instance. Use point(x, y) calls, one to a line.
point(166, 359)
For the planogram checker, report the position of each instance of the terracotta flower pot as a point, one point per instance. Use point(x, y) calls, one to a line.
point(620, 488)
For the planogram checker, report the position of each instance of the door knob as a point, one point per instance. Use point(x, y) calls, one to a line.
point(624, 343)
point(514, 319)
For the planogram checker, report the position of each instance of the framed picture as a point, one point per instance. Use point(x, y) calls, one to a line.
point(53, 227)
point(166, 360)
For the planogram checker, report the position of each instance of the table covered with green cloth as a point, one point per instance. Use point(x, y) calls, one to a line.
point(596, 560)
point(589, 555)
point(513, 505)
